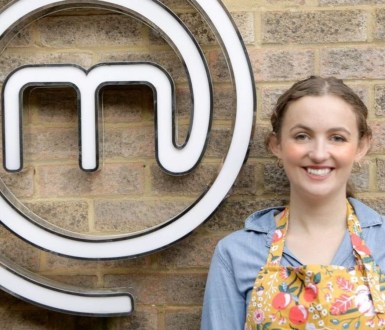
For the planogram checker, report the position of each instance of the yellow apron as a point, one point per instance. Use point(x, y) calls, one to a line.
point(318, 296)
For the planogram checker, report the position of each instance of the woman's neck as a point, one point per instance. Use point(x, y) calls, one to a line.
point(316, 229)
point(323, 214)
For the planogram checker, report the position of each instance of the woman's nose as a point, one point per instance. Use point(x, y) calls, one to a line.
point(319, 151)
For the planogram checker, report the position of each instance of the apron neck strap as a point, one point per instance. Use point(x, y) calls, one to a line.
point(361, 251)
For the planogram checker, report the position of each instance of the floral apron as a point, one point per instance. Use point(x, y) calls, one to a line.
point(318, 296)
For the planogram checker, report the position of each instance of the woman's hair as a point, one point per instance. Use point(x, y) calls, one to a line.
point(318, 86)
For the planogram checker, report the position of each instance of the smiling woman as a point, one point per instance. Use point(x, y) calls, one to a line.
point(318, 151)
point(306, 264)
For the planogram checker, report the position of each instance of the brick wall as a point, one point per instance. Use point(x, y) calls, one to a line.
point(286, 40)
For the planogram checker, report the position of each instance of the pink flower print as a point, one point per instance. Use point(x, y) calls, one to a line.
point(259, 316)
point(363, 301)
point(278, 234)
point(283, 273)
point(359, 245)
point(370, 323)
point(282, 321)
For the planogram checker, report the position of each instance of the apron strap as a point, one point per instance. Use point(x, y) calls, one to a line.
point(278, 240)
point(364, 259)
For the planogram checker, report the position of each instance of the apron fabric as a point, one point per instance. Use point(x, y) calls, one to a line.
point(316, 297)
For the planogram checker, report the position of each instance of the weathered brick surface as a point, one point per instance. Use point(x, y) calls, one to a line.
point(269, 97)
point(281, 65)
point(90, 31)
point(258, 148)
point(166, 58)
point(185, 319)
point(232, 213)
point(69, 215)
point(18, 251)
point(11, 60)
point(381, 174)
point(246, 26)
point(142, 318)
point(378, 146)
point(379, 105)
point(85, 281)
point(275, 179)
point(379, 27)
point(353, 62)
point(51, 144)
point(360, 177)
point(351, 2)
point(194, 251)
point(135, 215)
point(286, 40)
point(69, 180)
point(195, 182)
point(130, 142)
point(160, 288)
point(21, 184)
point(315, 27)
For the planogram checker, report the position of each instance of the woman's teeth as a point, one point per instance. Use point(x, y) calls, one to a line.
point(318, 171)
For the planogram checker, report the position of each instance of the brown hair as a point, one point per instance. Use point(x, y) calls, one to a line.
point(318, 86)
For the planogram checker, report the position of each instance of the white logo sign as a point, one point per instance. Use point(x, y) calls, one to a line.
point(171, 158)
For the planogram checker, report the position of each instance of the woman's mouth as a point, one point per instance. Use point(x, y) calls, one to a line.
point(318, 171)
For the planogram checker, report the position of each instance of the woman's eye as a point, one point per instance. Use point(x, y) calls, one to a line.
point(338, 138)
point(301, 137)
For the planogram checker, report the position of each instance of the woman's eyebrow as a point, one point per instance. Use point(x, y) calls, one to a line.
point(330, 130)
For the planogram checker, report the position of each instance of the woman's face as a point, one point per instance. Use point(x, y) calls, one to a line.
point(318, 145)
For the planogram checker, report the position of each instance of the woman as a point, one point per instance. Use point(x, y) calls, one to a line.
point(315, 264)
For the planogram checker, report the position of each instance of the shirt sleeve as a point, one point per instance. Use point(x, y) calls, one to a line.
point(224, 306)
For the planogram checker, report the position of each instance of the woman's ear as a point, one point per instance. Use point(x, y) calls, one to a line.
point(363, 148)
point(274, 144)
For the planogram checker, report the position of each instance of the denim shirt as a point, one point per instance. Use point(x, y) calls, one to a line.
point(239, 257)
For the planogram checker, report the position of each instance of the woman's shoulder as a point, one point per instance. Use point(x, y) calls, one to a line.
point(366, 213)
point(255, 236)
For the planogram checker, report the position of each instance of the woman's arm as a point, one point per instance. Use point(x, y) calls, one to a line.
point(224, 305)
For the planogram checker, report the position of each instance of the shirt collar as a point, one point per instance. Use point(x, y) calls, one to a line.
point(366, 215)
point(263, 221)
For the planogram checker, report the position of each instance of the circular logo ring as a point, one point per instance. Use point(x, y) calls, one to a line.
point(15, 216)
